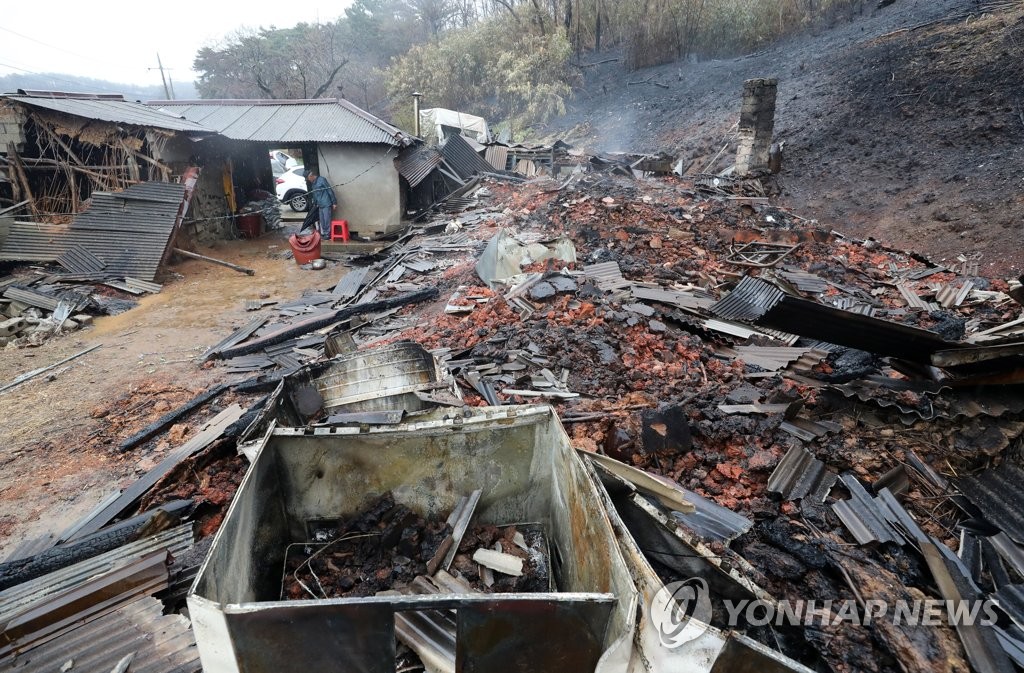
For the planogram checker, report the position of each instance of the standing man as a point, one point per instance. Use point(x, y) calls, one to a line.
point(323, 200)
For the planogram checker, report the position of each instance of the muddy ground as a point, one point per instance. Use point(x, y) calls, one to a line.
point(60, 431)
point(903, 123)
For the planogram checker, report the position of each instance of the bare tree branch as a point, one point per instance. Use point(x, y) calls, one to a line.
point(334, 73)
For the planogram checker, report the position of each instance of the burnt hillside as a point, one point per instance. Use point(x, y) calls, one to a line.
point(904, 123)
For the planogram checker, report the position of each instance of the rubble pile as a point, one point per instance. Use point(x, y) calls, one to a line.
point(383, 547)
point(639, 336)
point(780, 411)
point(35, 306)
point(387, 546)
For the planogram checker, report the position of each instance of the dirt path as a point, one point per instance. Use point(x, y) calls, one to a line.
point(59, 432)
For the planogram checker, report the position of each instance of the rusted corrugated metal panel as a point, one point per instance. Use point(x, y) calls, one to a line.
point(497, 156)
point(129, 230)
point(293, 121)
point(51, 618)
point(415, 164)
point(461, 157)
point(161, 643)
point(110, 109)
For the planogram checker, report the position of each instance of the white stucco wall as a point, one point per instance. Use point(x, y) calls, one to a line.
point(366, 184)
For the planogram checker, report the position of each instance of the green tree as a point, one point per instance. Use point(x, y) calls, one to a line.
point(490, 69)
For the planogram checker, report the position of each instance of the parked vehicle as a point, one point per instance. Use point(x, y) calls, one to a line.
point(284, 158)
point(293, 189)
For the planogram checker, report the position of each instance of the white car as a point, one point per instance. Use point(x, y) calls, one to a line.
point(284, 158)
point(293, 189)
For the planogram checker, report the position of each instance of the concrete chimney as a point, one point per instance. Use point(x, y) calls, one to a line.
point(757, 122)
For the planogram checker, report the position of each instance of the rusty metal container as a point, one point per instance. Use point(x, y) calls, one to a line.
point(521, 459)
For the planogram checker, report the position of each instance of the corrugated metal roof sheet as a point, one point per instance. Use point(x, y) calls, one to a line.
point(606, 275)
point(774, 358)
point(997, 493)
point(710, 520)
point(497, 156)
point(112, 110)
point(805, 282)
point(17, 598)
point(128, 230)
point(801, 475)
point(680, 299)
point(461, 157)
point(415, 164)
point(293, 121)
point(762, 303)
point(161, 643)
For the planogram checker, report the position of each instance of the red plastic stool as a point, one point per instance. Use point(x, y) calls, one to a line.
point(339, 230)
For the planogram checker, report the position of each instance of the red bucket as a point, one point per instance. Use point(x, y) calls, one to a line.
point(306, 248)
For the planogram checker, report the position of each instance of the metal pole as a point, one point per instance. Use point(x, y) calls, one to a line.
point(416, 113)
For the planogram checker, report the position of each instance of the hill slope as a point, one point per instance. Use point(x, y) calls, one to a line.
point(905, 124)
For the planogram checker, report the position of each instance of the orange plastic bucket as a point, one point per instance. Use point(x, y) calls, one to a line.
point(306, 248)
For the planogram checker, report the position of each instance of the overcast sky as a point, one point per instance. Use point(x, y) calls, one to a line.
point(118, 40)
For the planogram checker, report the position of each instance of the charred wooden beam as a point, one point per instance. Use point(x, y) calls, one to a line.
point(17, 572)
point(168, 419)
point(290, 331)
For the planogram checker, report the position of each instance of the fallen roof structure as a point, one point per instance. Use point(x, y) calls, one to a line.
point(130, 233)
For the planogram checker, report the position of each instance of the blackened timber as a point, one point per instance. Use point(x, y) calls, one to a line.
point(168, 419)
point(17, 572)
point(304, 327)
point(757, 301)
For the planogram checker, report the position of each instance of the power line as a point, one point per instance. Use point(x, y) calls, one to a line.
point(55, 79)
point(93, 59)
point(45, 44)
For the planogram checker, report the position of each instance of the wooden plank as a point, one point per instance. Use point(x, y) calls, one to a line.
point(207, 434)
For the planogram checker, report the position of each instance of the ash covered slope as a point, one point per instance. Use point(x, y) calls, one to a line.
point(905, 124)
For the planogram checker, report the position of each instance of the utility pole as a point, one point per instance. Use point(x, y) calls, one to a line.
point(160, 66)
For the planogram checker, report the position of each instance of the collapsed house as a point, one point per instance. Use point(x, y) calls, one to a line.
point(59, 148)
